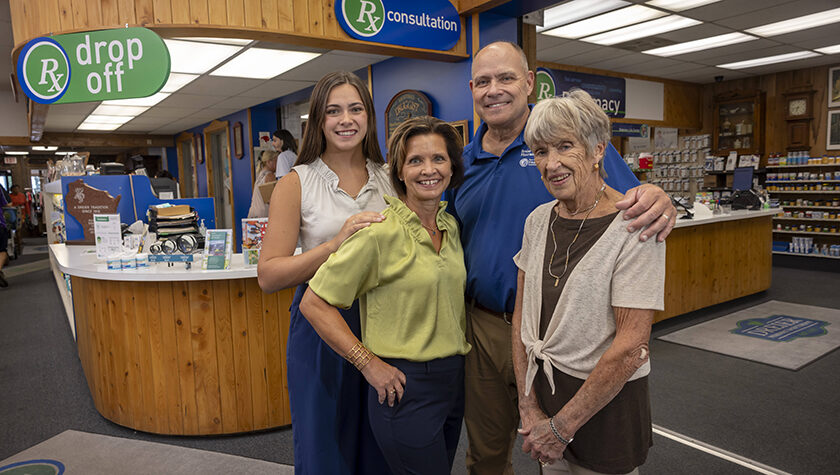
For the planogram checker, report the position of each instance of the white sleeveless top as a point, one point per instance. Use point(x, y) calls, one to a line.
point(324, 207)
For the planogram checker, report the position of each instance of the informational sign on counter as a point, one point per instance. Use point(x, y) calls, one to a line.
point(84, 201)
point(92, 66)
point(108, 235)
point(430, 24)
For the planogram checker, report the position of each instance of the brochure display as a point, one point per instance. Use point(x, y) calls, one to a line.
point(106, 231)
point(218, 248)
point(253, 230)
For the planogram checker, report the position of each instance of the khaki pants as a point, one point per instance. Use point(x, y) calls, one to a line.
point(565, 468)
point(492, 411)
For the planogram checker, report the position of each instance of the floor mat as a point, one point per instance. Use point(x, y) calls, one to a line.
point(77, 453)
point(776, 333)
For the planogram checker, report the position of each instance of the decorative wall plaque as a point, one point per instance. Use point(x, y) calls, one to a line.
point(405, 105)
point(83, 201)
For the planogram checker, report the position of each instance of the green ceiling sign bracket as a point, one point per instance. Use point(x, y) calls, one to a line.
point(101, 65)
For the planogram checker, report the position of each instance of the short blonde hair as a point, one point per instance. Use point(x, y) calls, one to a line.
point(576, 113)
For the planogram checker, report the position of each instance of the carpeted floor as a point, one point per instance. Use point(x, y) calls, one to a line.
point(777, 417)
point(81, 453)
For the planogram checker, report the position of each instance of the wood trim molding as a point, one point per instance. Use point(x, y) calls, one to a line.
point(215, 127)
point(186, 137)
point(474, 7)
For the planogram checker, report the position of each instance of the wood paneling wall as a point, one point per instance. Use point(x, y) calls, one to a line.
point(682, 101)
point(717, 262)
point(185, 358)
point(307, 22)
point(774, 85)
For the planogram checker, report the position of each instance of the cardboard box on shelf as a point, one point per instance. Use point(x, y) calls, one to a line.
point(266, 189)
point(709, 181)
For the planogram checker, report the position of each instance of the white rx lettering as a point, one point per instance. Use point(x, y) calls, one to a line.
point(48, 67)
point(544, 90)
point(367, 10)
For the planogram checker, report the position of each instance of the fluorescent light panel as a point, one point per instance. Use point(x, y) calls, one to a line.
point(197, 58)
point(679, 5)
point(140, 101)
point(106, 119)
point(261, 63)
point(42, 148)
point(576, 10)
point(131, 111)
point(781, 58)
point(87, 126)
point(65, 153)
point(305, 117)
point(642, 30)
point(13, 152)
point(795, 24)
point(607, 21)
point(701, 44)
point(221, 41)
point(177, 81)
point(829, 49)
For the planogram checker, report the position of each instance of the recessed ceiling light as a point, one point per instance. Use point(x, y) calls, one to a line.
point(65, 153)
point(305, 117)
point(177, 81)
point(140, 101)
point(576, 10)
point(829, 49)
point(607, 21)
point(197, 58)
point(106, 119)
point(87, 126)
point(221, 41)
point(642, 30)
point(42, 148)
point(132, 111)
point(700, 45)
point(680, 5)
point(261, 63)
point(795, 24)
point(16, 152)
point(781, 58)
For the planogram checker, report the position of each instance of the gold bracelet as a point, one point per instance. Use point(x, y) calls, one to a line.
point(359, 355)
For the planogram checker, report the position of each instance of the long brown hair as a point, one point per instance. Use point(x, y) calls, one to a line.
point(314, 141)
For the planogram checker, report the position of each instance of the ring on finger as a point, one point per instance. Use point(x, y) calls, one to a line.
point(665, 215)
point(543, 462)
point(393, 391)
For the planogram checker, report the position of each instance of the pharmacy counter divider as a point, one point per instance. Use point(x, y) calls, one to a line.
point(717, 258)
point(175, 351)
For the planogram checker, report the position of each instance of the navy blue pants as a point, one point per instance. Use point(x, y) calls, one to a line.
point(419, 435)
point(327, 394)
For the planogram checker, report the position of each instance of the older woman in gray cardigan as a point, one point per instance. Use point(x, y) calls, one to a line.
point(587, 290)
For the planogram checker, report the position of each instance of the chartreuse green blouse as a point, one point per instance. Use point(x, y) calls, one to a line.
point(411, 298)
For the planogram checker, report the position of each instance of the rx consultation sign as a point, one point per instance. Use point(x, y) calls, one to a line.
point(92, 66)
point(429, 24)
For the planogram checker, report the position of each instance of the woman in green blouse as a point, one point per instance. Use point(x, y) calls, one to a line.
point(408, 274)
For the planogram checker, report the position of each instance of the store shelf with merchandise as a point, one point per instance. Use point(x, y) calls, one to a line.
point(808, 189)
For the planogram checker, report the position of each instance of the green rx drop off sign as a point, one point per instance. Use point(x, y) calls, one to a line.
point(93, 66)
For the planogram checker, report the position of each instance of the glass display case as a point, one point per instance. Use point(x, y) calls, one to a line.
point(739, 124)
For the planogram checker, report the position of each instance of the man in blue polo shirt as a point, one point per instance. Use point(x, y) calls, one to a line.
point(501, 187)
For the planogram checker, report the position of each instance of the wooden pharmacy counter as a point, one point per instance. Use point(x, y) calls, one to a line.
point(717, 258)
point(172, 351)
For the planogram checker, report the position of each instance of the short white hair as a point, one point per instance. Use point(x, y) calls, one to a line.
point(575, 113)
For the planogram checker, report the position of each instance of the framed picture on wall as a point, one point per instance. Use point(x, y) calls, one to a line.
point(463, 128)
point(237, 140)
point(834, 87)
point(833, 133)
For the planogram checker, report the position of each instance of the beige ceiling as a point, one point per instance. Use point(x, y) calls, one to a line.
point(718, 18)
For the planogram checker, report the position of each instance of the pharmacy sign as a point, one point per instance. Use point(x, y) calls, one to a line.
point(430, 24)
point(92, 66)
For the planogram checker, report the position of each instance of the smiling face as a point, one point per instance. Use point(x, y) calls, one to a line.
point(566, 170)
point(427, 169)
point(345, 119)
point(500, 86)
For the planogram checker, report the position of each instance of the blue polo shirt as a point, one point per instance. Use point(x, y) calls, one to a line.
point(491, 205)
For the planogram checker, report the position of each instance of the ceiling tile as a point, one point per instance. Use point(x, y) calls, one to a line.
point(81, 108)
point(547, 41)
point(827, 35)
point(697, 32)
point(63, 120)
point(171, 113)
point(190, 100)
point(771, 14)
point(239, 102)
point(315, 69)
point(727, 8)
point(595, 57)
point(275, 88)
point(219, 86)
point(737, 52)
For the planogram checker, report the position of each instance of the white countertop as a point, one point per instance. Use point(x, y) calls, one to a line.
point(700, 219)
point(81, 261)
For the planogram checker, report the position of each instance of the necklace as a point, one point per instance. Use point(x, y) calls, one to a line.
point(431, 230)
point(554, 239)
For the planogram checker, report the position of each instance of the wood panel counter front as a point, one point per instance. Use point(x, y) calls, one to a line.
point(180, 352)
point(716, 259)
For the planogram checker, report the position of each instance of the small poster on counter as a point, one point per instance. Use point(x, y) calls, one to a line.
point(253, 230)
point(107, 235)
point(218, 249)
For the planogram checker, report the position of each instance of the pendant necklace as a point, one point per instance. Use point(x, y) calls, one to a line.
point(431, 230)
point(588, 211)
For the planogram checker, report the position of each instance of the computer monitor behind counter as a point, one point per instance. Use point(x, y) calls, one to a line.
point(742, 179)
point(165, 188)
